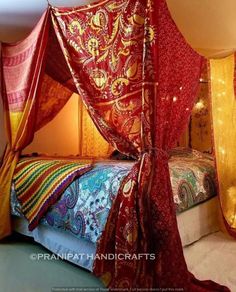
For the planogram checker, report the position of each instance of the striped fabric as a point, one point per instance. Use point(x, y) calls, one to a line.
point(39, 182)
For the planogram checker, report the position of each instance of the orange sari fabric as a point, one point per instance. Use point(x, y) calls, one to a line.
point(21, 67)
point(30, 101)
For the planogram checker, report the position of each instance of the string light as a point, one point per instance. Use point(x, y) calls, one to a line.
point(222, 150)
point(175, 99)
point(199, 105)
point(221, 81)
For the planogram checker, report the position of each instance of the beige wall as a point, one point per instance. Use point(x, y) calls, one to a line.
point(61, 135)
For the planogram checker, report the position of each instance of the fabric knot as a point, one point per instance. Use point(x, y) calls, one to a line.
point(160, 152)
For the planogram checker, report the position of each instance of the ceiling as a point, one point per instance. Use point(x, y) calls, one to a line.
point(18, 17)
point(209, 26)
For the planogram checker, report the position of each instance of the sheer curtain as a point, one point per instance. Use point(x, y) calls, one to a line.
point(224, 122)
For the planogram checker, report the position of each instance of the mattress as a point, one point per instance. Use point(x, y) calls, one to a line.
point(83, 208)
point(193, 224)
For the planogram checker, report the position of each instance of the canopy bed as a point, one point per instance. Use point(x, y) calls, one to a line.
point(138, 79)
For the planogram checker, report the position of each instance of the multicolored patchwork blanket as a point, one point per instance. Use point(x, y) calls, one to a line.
point(40, 181)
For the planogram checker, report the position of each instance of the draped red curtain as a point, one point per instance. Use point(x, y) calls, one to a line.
point(104, 54)
point(178, 71)
point(138, 79)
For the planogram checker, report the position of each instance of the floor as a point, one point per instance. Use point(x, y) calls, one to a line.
point(212, 257)
point(19, 273)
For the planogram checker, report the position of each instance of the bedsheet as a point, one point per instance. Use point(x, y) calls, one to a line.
point(193, 178)
point(83, 208)
point(204, 215)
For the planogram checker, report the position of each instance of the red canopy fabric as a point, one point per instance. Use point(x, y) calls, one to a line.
point(138, 80)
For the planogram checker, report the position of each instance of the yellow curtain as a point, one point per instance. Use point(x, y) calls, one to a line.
point(91, 142)
point(224, 127)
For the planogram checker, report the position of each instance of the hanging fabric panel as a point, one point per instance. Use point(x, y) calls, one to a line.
point(137, 78)
point(53, 97)
point(105, 51)
point(91, 142)
point(21, 67)
point(27, 106)
point(224, 125)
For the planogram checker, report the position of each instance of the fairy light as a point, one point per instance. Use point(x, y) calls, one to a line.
point(222, 150)
point(175, 99)
point(199, 105)
point(221, 81)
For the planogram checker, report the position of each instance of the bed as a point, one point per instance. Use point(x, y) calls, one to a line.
point(74, 224)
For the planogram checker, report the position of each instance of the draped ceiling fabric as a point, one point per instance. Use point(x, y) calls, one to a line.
point(224, 125)
point(138, 80)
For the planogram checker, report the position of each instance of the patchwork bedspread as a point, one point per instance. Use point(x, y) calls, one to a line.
point(84, 206)
point(192, 178)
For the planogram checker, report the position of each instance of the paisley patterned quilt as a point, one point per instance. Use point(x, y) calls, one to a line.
point(84, 206)
point(192, 176)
